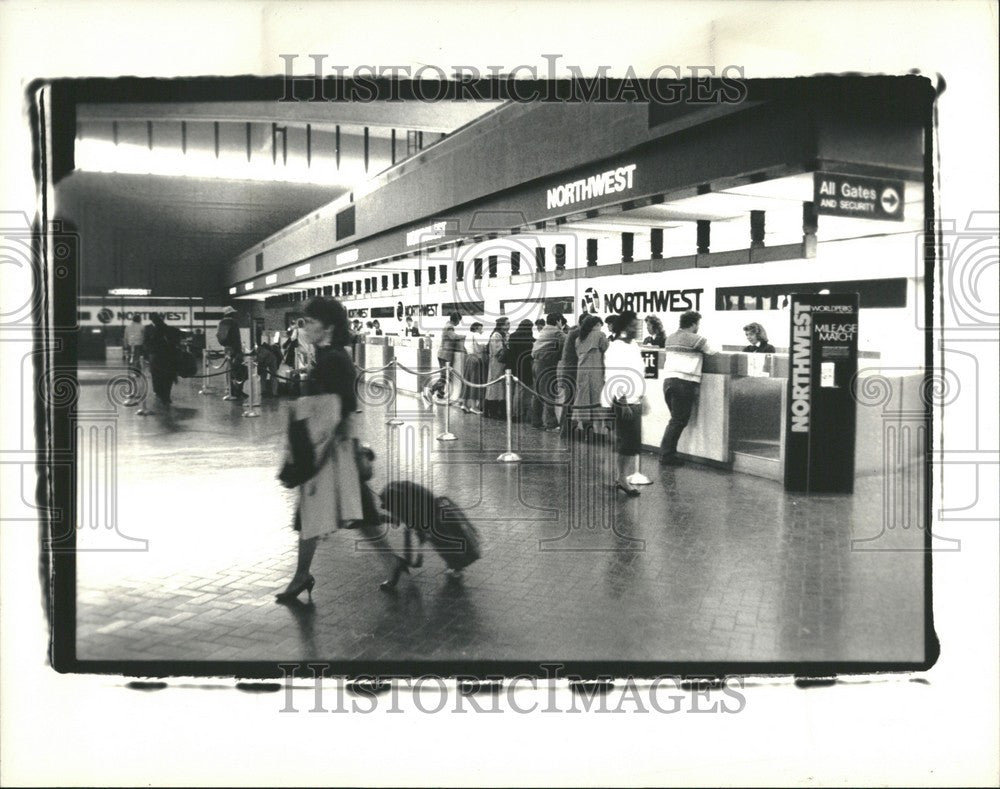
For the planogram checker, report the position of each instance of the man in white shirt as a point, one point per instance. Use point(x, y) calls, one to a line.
point(682, 363)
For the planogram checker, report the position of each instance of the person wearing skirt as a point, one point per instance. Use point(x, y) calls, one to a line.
point(332, 498)
point(474, 372)
point(624, 386)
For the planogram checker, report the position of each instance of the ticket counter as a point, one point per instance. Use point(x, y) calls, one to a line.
point(413, 353)
point(739, 419)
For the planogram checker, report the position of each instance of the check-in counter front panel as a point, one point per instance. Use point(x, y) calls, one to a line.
point(738, 421)
point(411, 354)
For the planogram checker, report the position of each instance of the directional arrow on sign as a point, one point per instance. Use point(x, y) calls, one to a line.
point(890, 200)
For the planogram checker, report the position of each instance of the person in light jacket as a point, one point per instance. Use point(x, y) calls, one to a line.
point(591, 343)
point(497, 353)
point(566, 375)
point(624, 387)
point(682, 363)
point(545, 355)
point(474, 371)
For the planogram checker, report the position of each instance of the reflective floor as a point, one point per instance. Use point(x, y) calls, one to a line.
point(705, 565)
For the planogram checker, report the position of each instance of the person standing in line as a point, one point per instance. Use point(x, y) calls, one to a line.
point(757, 337)
point(332, 499)
point(655, 335)
point(304, 351)
point(497, 355)
point(685, 354)
point(539, 326)
point(448, 343)
point(133, 340)
point(519, 347)
point(267, 368)
point(161, 345)
point(228, 335)
point(545, 355)
point(474, 372)
point(566, 374)
point(624, 387)
point(591, 344)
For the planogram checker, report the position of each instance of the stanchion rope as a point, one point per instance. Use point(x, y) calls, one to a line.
point(476, 386)
point(536, 394)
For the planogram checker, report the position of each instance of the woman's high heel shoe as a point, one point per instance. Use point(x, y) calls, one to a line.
point(292, 593)
point(401, 567)
point(632, 492)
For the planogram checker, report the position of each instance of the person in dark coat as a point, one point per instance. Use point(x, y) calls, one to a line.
point(333, 497)
point(161, 345)
point(267, 368)
point(519, 347)
point(227, 333)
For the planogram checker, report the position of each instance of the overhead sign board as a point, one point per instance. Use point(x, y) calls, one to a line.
point(859, 197)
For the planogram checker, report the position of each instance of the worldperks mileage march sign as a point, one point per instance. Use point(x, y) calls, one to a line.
point(859, 197)
point(820, 418)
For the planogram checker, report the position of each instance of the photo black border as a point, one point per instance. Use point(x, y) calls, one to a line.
point(55, 306)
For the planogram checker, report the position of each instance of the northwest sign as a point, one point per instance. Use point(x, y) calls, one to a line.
point(598, 185)
point(643, 301)
point(859, 197)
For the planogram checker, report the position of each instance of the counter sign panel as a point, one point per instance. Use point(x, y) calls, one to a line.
point(859, 197)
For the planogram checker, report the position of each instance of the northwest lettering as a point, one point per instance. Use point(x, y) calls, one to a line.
point(801, 374)
point(654, 301)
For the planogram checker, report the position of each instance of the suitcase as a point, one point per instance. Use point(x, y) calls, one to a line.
point(434, 519)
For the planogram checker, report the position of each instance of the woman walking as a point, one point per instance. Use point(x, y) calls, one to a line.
point(332, 498)
point(474, 372)
point(161, 345)
point(496, 354)
point(624, 386)
point(591, 344)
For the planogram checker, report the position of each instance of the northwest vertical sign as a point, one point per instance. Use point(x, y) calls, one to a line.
point(820, 418)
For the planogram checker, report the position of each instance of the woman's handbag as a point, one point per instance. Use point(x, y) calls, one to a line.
point(300, 464)
point(186, 364)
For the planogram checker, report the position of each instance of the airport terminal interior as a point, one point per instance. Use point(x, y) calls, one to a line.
point(753, 492)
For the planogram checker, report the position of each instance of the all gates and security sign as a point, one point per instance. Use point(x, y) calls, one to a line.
point(858, 197)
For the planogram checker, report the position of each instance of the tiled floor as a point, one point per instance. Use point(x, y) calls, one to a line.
point(705, 565)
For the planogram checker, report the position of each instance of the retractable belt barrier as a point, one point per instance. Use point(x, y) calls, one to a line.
point(254, 401)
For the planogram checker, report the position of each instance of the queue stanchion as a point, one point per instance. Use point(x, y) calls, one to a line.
point(229, 380)
point(395, 420)
point(637, 477)
point(447, 435)
point(134, 399)
point(253, 402)
point(143, 409)
point(510, 456)
point(206, 387)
